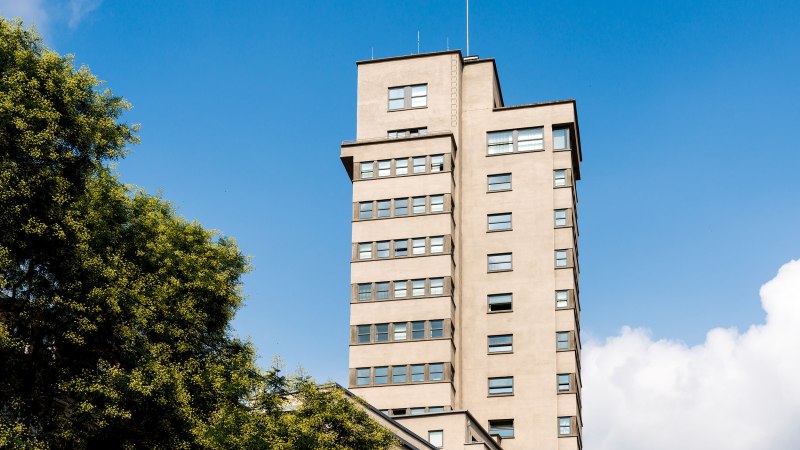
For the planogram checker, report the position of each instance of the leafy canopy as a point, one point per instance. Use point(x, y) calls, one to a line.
point(114, 311)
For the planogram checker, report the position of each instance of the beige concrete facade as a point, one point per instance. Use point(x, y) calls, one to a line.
point(420, 316)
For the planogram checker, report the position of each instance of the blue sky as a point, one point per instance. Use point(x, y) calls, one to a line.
point(689, 200)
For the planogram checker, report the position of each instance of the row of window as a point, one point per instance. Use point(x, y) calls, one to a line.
point(400, 331)
point(502, 221)
point(525, 140)
point(401, 248)
point(410, 373)
point(400, 167)
point(399, 207)
point(505, 427)
point(412, 411)
point(408, 132)
point(500, 262)
point(387, 290)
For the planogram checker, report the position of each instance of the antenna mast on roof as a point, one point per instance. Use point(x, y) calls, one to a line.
point(467, 28)
point(418, 42)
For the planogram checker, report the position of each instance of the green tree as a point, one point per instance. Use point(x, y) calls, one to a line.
point(114, 311)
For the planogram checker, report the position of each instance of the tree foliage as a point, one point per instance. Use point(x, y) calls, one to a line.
point(114, 311)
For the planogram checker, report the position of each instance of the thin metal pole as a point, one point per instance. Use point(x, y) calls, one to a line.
point(467, 27)
point(418, 42)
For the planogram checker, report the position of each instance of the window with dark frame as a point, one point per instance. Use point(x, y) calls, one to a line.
point(499, 182)
point(501, 343)
point(499, 302)
point(499, 261)
point(407, 97)
point(510, 141)
point(499, 222)
point(503, 428)
point(501, 385)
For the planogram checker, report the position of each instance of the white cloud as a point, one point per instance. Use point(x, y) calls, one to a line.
point(78, 9)
point(30, 11)
point(737, 391)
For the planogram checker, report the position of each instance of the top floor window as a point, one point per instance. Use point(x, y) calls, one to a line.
point(561, 139)
point(404, 97)
point(411, 132)
point(523, 140)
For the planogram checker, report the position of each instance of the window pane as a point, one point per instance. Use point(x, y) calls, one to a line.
point(418, 204)
point(418, 330)
point(437, 203)
point(501, 137)
point(363, 333)
point(500, 148)
point(419, 165)
point(560, 139)
point(382, 332)
point(384, 168)
point(395, 93)
point(400, 207)
point(381, 375)
point(365, 210)
point(415, 411)
point(400, 332)
point(437, 286)
point(560, 177)
point(365, 250)
point(436, 438)
point(382, 290)
point(398, 374)
point(437, 163)
point(562, 299)
point(437, 244)
point(504, 385)
point(418, 372)
point(382, 249)
point(500, 262)
point(501, 343)
point(502, 428)
point(419, 90)
point(417, 102)
point(436, 372)
point(563, 383)
point(365, 291)
point(367, 170)
point(400, 289)
point(435, 409)
point(562, 341)
point(401, 166)
point(417, 288)
point(401, 248)
point(362, 376)
point(560, 217)
point(564, 425)
point(499, 222)
point(561, 258)
point(499, 182)
point(437, 328)
point(384, 208)
point(499, 302)
point(396, 104)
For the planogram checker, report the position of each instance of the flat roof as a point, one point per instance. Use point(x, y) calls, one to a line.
point(415, 55)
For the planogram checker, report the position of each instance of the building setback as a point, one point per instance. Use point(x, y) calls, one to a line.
point(464, 307)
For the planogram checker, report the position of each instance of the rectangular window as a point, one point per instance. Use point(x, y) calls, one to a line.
point(410, 132)
point(364, 291)
point(419, 96)
point(399, 374)
point(500, 261)
point(437, 163)
point(384, 208)
point(367, 170)
point(437, 244)
point(499, 222)
point(365, 210)
point(418, 246)
point(499, 302)
point(382, 290)
point(561, 139)
point(400, 331)
point(382, 332)
point(501, 385)
point(417, 411)
point(561, 258)
point(435, 409)
point(419, 164)
point(382, 249)
point(437, 203)
point(401, 248)
point(562, 340)
point(436, 438)
point(500, 142)
point(560, 216)
point(400, 289)
point(400, 207)
point(500, 343)
point(436, 372)
point(363, 334)
point(362, 376)
point(365, 250)
point(381, 375)
point(385, 168)
point(418, 205)
point(418, 330)
point(564, 383)
point(562, 299)
point(437, 286)
point(397, 98)
point(437, 329)
point(564, 426)
point(401, 166)
point(530, 139)
point(399, 412)
point(417, 288)
point(560, 177)
point(503, 428)
point(500, 182)
point(417, 372)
